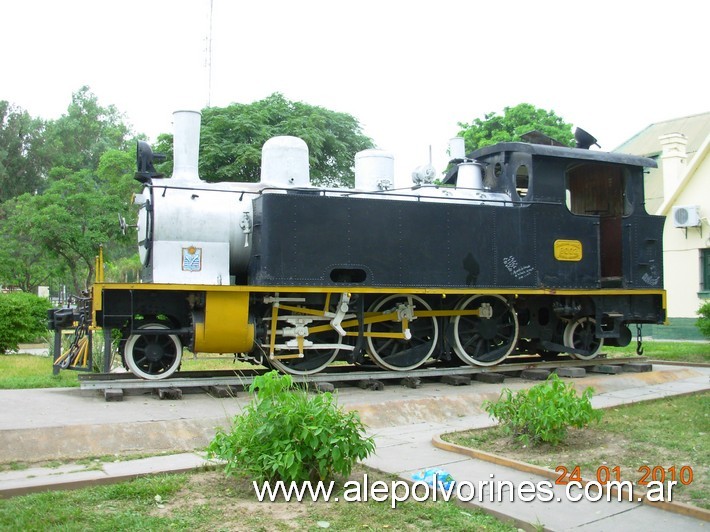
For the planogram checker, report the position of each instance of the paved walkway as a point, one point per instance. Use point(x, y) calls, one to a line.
point(402, 448)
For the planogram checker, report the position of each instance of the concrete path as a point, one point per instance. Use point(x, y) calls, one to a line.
point(403, 422)
point(405, 451)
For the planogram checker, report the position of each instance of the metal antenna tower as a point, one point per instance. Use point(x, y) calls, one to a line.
point(209, 58)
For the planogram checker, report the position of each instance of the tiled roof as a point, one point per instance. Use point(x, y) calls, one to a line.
point(645, 143)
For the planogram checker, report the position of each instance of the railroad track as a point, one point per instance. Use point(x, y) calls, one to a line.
point(337, 374)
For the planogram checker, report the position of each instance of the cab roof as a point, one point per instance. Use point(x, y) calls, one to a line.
point(565, 153)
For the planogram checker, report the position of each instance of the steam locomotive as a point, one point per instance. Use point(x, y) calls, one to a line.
point(521, 249)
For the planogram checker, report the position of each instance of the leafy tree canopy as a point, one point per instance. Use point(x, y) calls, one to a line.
point(21, 138)
point(78, 138)
point(79, 179)
point(68, 222)
point(515, 122)
point(232, 137)
point(24, 263)
point(64, 182)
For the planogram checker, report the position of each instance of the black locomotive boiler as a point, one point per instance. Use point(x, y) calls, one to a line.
point(522, 249)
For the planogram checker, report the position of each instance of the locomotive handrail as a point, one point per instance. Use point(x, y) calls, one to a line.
point(204, 189)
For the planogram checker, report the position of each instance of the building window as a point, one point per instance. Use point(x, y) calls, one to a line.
point(705, 273)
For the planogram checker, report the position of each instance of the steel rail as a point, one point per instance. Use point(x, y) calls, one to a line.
point(203, 379)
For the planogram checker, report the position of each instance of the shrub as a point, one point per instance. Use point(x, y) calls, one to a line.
point(544, 412)
point(23, 318)
point(287, 434)
point(703, 322)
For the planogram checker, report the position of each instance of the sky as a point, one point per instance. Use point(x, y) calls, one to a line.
point(408, 71)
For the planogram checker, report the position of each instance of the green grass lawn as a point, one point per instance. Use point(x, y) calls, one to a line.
point(209, 501)
point(33, 371)
point(671, 351)
point(28, 371)
point(665, 434)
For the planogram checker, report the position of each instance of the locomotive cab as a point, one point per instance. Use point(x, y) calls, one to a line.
point(601, 191)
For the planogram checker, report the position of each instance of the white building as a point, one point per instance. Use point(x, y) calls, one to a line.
point(680, 190)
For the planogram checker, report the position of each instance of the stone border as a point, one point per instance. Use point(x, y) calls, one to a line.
point(675, 507)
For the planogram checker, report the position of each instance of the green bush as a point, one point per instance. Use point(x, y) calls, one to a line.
point(23, 318)
point(287, 434)
point(544, 412)
point(703, 322)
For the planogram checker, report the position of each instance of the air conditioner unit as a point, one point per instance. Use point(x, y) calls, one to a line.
point(686, 216)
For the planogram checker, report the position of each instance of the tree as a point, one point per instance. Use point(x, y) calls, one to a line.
point(24, 263)
point(114, 178)
point(78, 138)
point(69, 221)
point(232, 137)
point(82, 170)
point(515, 122)
point(126, 269)
point(114, 174)
point(21, 164)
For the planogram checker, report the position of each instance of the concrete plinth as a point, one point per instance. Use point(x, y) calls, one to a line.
point(113, 394)
point(490, 378)
point(607, 369)
point(169, 393)
point(412, 382)
point(637, 367)
point(323, 387)
point(456, 380)
point(376, 386)
point(574, 373)
point(535, 374)
point(221, 391)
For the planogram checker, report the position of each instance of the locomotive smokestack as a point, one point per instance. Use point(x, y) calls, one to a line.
point(186, 144)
